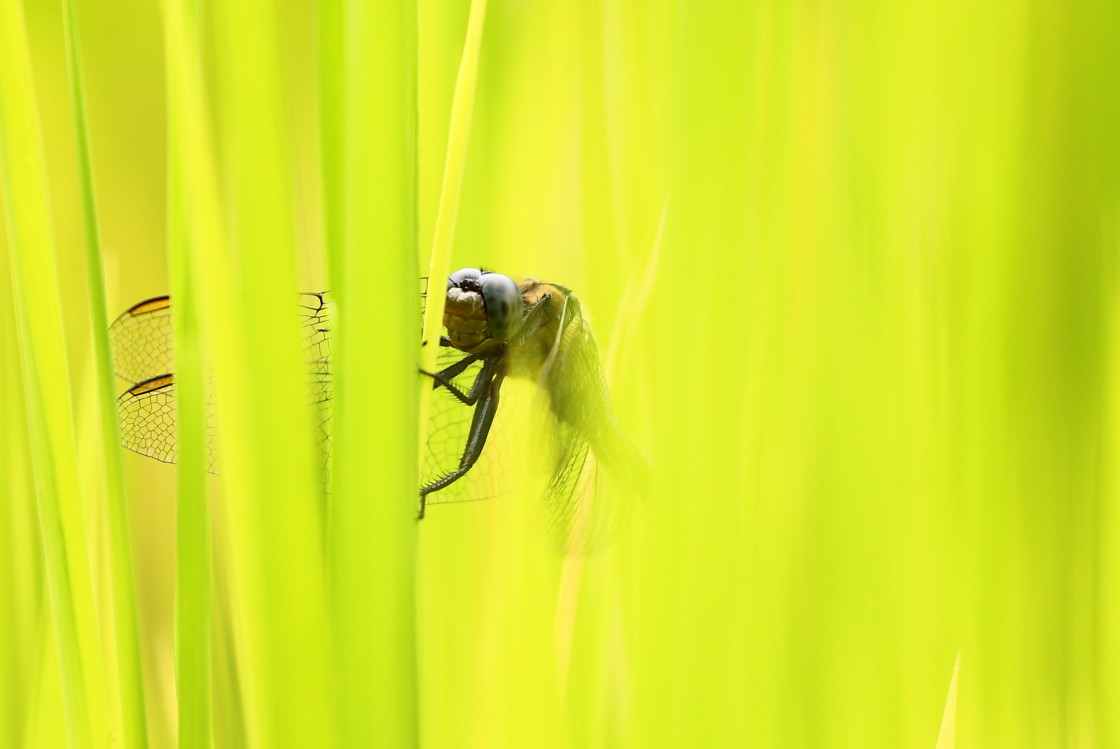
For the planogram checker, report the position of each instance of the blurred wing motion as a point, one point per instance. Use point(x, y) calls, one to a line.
point(143, 354)
point(592, 467)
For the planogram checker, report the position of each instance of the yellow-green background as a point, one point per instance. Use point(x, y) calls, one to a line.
point(872, 374)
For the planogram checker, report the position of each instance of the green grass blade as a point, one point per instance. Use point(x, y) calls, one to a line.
point(373, 512)
point(193, 518)
point(331, 50)
point(45, 725)
point(46, 387)
point(443, 237)
point(121, 567)
point(21, 581)
point(189, 224)
point(276, 598)
point(194, 550)
point(266, 443)
point(947, 737)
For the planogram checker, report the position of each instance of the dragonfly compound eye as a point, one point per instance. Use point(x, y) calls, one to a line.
point(503, 305)
point(457, 278)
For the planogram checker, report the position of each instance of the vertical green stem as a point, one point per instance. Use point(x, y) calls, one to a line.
point(23, 186)
point(278, 577)
point(21, 578)
point(194, 549)
point(331, 36)
point(373, 526)
point(458, 137)
point(121, 568)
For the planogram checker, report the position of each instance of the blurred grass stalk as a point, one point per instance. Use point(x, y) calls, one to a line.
point(48, 409)
point(368, 105)
point(246, 279)
point(947, 736)
point(193, 221)
point(123, 590)
point(443, 235)
point(21, 566)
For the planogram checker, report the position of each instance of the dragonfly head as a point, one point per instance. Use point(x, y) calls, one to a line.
point(481, 306)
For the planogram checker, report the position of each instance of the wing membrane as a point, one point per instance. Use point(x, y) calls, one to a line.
point(592, 466)
point(448, 427)
point(147, 414)
point(447, 430)
point(315, 309)
point(143, 352)
point(141, 339)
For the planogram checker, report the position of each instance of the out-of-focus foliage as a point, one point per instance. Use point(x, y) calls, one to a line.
point(871, 367)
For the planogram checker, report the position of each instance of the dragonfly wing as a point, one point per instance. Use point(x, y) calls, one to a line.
point(448, 431)
point(592, 465)
point(142, 342)
point(143, 349)
point(573, 495)
point(315, 310)
point(147, 414)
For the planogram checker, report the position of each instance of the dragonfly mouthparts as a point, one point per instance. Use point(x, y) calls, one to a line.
point(464, 316)
point(463, 302)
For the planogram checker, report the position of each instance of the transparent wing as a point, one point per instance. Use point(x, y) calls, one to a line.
point(448, 428)
point(592, 467)
point(147, 413)
point(142, 343)
point(315, 309)
point(141, 340)
point(447, 431)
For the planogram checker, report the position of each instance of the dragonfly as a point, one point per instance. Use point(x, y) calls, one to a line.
point(496, 330)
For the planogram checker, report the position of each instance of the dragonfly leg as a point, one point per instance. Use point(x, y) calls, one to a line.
point(481, 422)
point(454, 370)
point(529, 327)
point(445, 376)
